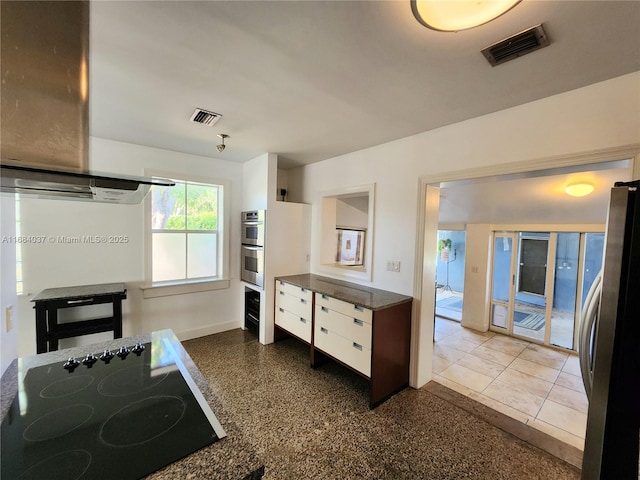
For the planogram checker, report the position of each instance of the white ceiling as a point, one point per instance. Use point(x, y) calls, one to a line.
point(533, 198)
point(311, 80)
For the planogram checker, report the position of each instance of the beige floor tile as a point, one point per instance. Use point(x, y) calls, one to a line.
point(473, 336)
point(508, 345)
point(461, 389)
point(558, 433)
point(566, 418)
point(570, 381)
point(544, 356)
point(493, 355)
point(464, 376)
point(480, 365)
point(534, 385)
point(458, 343)
point(569, 398)
point(572, 365)
point(540, 371)
point(439, 364)
point(448, 353)
point(514, 397)
point(501, 407)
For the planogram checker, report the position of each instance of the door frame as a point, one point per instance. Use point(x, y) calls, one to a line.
point(428, 203)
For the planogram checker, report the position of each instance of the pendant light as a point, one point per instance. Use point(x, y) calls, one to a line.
point(456, 15)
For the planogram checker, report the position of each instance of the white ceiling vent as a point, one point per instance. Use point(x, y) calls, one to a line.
point(516, 45)
point(205, 117)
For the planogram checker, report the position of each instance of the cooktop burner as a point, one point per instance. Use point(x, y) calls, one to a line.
point(114, 414)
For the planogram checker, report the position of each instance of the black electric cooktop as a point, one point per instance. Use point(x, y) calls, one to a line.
point(118, 414)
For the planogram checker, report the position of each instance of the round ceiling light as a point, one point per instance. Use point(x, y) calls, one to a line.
point(579, 189)
point(455, 15)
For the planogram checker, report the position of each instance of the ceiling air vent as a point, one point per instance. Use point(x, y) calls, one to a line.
point(205, 117)
point(516, 45)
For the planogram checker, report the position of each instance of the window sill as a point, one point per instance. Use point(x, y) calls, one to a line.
point(181, 288)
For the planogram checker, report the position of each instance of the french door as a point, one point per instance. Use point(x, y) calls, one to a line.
point(538, 283)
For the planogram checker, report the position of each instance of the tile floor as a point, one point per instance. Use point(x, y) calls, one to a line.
point(539, 386)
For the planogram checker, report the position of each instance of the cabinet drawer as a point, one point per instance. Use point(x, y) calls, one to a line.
point(294, 290)
point(295, 305)
point(346, 308)
point(347, 351)
point(350, 328)
point(299, 326)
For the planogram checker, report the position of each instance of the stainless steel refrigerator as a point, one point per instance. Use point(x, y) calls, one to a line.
point(610, 352)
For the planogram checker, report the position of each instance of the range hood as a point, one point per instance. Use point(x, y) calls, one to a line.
point(44, 94)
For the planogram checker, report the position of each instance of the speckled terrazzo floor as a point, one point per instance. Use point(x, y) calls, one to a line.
point(307, 423)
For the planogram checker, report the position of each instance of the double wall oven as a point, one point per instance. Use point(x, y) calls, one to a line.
point(252, 260)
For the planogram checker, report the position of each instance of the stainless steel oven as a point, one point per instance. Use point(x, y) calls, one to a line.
point(253, 264)
point(253, 228)
point(252, 250)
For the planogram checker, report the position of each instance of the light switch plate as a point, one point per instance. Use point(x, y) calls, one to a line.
point(393, 265)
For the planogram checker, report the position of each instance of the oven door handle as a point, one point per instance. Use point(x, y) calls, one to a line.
point(249, 247)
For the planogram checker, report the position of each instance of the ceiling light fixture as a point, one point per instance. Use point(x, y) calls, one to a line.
point(579, 189)
point(456, 15)
point(222, 146)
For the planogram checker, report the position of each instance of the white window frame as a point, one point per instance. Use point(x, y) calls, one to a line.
point(178, 287)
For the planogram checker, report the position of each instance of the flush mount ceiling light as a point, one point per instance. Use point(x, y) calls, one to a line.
point(222, 146)
point(579, 189)
point(456, 15)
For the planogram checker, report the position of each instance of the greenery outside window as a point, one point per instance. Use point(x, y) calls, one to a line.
point(187, 230)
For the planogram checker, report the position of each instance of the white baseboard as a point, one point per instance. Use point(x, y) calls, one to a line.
point(209, 330)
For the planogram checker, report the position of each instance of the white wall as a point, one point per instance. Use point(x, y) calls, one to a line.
point(598, 117)
point(55, 264)
point(8, 297)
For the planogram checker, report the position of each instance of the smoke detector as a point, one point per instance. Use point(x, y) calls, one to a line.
point(205, 117)
point(517, 45)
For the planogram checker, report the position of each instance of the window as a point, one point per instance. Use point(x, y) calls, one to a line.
point(186, 235)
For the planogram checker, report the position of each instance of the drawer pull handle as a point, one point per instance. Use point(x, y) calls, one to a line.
point(303, 320)
point(358, 308)
point(324, 330)
point(302, 300)
point(281, 309)
point(324, 297)
point(281, 293)
point(84, 300)
point(324, 309)
point(357, 346)
point(360, 323)
point(303, 290)
point(281, 283)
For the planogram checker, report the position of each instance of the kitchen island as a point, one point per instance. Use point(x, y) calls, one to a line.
point(230, 457)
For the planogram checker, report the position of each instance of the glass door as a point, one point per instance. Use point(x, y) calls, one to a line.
point(530, 298)
point(502, 281)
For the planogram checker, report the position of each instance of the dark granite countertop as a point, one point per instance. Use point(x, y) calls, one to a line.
point(367, 297)
point(231, 457)
point(81, 291)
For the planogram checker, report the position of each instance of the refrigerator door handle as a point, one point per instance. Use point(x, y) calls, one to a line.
point(587, 326)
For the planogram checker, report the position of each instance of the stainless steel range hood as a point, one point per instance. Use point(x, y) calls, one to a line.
point(44, 92)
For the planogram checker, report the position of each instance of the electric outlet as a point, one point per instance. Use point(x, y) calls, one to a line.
point(393, 265)
point(308, 258)
point(8, 321)
point(474, 269)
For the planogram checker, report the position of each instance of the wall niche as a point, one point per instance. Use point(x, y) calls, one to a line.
point(346, 238)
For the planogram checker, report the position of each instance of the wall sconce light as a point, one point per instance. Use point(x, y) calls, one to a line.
point(579, 189)
point(456, 15)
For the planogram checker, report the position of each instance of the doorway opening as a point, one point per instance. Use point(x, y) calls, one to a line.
point(539, 281)
point(450, 274)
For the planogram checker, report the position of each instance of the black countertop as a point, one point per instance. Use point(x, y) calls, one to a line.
point(367, 297)
point(81, 291)
point(231, 457)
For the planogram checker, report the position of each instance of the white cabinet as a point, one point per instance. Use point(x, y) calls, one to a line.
point(343, 330)
point(366, 329)
point(294, 310)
